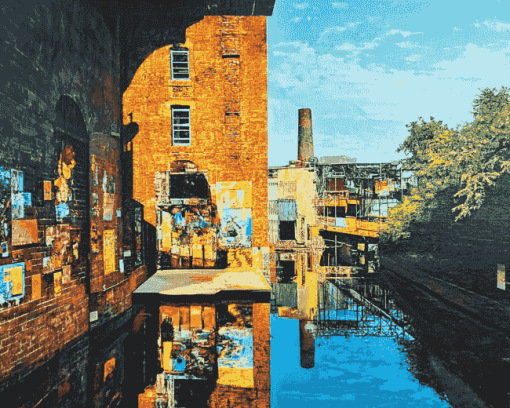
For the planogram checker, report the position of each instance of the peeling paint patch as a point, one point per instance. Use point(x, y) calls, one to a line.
point(17, 198)
point(47, 190)
point(236, 228)
point(24, 232)
point(57, 283)
point(12, 282)
point(36, 287)
point(66, 277)
point(109, 251)
point(108, 205)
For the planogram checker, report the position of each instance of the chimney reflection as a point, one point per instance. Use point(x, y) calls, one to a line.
point(306, 344)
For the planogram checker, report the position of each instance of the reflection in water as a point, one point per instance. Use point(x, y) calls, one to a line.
point(211, 355)
point(333, 342)
point(353, 344)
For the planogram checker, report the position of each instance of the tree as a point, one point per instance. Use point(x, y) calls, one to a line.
point(466, 159)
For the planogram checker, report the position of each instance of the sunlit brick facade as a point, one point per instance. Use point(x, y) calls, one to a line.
point(226, 95)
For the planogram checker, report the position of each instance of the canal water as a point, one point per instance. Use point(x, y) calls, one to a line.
point(373, 341)
point(354, 349)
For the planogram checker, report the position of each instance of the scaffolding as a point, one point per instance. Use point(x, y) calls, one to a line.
point(372, 186)
point(343, 311)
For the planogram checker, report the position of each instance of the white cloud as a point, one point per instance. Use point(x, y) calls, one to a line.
point(357, 49)
point(340, 5)
point(414, 58)
point(497, 25)
point(353, 24)
point(408, 44)
point(346, 47)
point(457, 29)
point(404, 33)
point(300, 6)
point(331, 30)
point(296, 19)
point(371, 103)
point(478, 25)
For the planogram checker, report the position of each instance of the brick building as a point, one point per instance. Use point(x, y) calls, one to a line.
point(78, 233)
point(200, 156)
point(200, 171)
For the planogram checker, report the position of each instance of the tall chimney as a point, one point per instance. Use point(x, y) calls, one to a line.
point(305, 136)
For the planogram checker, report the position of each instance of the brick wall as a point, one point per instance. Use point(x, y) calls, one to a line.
point(59, 86)
point(228, 101)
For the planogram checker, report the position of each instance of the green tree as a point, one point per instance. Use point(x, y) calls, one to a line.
point(466, 159)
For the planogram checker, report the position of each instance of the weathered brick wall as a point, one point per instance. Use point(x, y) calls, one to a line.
point(100, 370)
point(51, 49)
point(110, 286)
point(228, 100)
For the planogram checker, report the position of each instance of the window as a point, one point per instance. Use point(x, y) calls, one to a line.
point(180, 65)
point(189, 186)
point(287, 230)
point(351, 210)
point(181, 132)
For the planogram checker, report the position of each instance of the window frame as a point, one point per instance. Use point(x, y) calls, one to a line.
point(174, 125)
point(174, 68)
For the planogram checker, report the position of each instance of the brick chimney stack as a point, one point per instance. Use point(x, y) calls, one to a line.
point(305, 136)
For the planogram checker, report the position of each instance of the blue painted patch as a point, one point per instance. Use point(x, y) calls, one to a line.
point(105, 181)
point(47, 262)
point(179, 220)
point(62, 211)
point(341, 222)
point(5, 177)
point(6, 287)
point(179, 364)
point(286, 210)
point(236, 227)
point(17, 206)
point(235, 348)
point(28, 198)
point(17, 181)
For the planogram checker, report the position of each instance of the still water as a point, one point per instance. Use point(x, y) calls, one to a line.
point(326, 342)
point(357, 353)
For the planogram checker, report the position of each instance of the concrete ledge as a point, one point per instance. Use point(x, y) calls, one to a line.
point(177, 284)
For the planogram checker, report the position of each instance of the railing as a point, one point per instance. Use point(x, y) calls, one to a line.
point(329, 221)
point(336, 270)
point(342, 194)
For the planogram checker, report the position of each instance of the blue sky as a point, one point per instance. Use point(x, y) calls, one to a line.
point(367, 68)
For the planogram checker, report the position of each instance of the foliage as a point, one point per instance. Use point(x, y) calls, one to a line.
point(468, 159)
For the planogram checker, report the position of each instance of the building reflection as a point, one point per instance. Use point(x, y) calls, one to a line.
point(331, 306)
point(211, 354)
